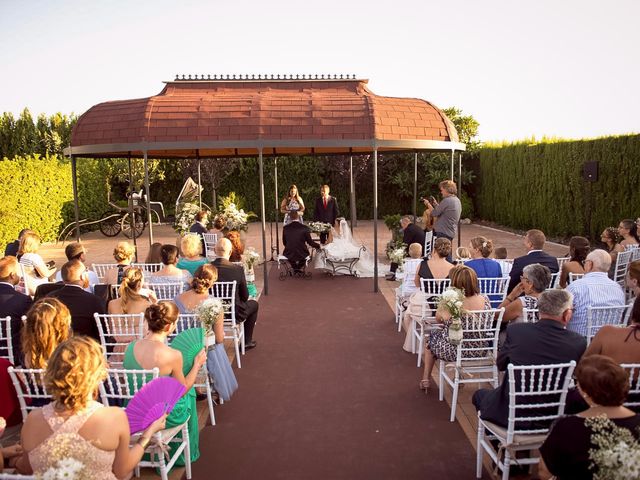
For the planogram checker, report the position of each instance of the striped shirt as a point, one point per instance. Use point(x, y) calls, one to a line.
point(595, 289)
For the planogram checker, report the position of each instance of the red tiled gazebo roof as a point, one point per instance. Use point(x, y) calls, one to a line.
point(223, 118)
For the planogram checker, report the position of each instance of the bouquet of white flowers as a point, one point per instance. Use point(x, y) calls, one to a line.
point(235, 219)
point(65, 469)
point(451, 301)
point(209, 312)
point(617, 452)
point(185, 217)
point(397, 255)
point(250, 258)
point(319, 227)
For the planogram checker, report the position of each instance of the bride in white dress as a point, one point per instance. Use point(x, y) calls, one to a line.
point(342, 247)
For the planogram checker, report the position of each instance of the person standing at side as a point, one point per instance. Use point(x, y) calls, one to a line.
point(326, 211)
point(292, 203)
point(446, 214)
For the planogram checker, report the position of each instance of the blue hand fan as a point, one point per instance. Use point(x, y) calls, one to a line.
point(190, 343)
point(156, 398)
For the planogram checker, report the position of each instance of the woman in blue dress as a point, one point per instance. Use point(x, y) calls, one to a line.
point(485, 267)
point(292, 202)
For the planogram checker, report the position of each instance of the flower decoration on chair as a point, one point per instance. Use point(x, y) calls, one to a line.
point(319, 227)
point(250, 258)
point(209, 312)
point(65, 469)
point(185, 217)
point(617, 452)
point(451, 301)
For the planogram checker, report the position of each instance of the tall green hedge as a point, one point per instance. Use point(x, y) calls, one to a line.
point(542, 186)
point(36, 193)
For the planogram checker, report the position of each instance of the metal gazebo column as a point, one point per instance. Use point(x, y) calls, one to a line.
point(263, 224)
point(375, 220)
point(76, 207)
point(452, 163)
point(148, 202)
point(132, 211)
point(460, 190)
point(200, 182)
point(415, 186)
point(277, 211)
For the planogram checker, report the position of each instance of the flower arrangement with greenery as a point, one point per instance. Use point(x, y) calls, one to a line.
point(451, 302)
point(616, 455)
point(185, 217)
point(209, 312)
point(319, 227)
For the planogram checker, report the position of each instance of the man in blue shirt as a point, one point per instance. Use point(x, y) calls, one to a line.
point(595, 289)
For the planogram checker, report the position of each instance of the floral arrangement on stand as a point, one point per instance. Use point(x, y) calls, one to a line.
point(65, 469)
point(319, 227)
point(451, 301)
point(397, 254)
point(209, 313)
point(232, 214)
point(185, 217)
point(617, 452)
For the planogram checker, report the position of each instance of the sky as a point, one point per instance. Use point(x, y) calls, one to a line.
point(556, 68)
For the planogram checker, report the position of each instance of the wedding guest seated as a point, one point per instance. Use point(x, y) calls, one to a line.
point(12, 303)
point(170, 273)
point(9, 406)
point(462, 255)
point(579, 248)
point(534, 280)
point(412, 233)
point(202, 281)
point(628, 230)
point(595, 289)
point(123, 254)
point(153, 352)
point(569, 450)
point(436, 266)
point(154, 255)
point(218, 227)
point(622, 344)
point(199, 227)
point(191, 248)
point(133, 298)
point(296, 237)
point(500, 254)
point(47, 325)
point(410, 267)
point(610, 238)
point(35, 269)
point(76, 251)
point(534, 241)
point(246, 310)
point(438, 346)
point(633, 278)
point(544, 342)
point(237, 248)
point(12, 248)
point(480, 249)
point(80, 303)
point(74, 425)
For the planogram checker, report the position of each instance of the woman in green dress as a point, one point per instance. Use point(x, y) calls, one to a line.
point(152, 352)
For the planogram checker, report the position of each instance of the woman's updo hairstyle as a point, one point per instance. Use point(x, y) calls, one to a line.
point(606, 382)
point(130, 286)
point(76, 368)
point(579, 248)
point(442, 247)
point(483, 244)
point(204, 278)
point(630, 225)
point(160, 315)
point(169, 254)
point(124, 251)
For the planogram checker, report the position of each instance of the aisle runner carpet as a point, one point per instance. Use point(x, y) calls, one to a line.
point(329, 394)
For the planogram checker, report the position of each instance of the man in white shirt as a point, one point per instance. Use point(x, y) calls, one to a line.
point(595, 289)
point(75, 251)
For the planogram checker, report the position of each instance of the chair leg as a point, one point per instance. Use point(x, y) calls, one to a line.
point(479, 450)
point(187, 451)
point(454, 399)
point(506, 466)
point(212, 415)
point(441, 380)
point(242, 337)
point(236, 342)
point(164, 474)
point(421, 345)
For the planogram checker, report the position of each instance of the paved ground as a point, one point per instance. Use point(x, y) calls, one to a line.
point(100, 251)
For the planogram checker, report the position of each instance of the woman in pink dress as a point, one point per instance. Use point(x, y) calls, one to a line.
point(74, 432)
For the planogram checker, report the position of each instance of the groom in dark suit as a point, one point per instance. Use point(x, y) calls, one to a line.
point(326, 210)
point(295, 237)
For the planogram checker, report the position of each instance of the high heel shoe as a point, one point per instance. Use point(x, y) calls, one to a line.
point(425, 385)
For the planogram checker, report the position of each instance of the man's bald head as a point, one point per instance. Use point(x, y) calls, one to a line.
point(73, 272)
point(223, 248)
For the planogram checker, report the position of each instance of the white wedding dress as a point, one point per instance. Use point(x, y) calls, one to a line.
point(343, 247)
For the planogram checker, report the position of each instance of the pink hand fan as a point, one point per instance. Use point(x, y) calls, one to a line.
point(156, 398)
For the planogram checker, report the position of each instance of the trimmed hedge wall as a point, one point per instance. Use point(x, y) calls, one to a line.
point(542, 186)
point(37, 193)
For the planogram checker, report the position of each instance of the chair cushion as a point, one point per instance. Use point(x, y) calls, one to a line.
point(518, 439)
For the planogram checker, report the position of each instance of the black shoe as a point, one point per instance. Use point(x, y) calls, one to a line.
point(250, 345)
point(200, 397)
point(390, 276)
